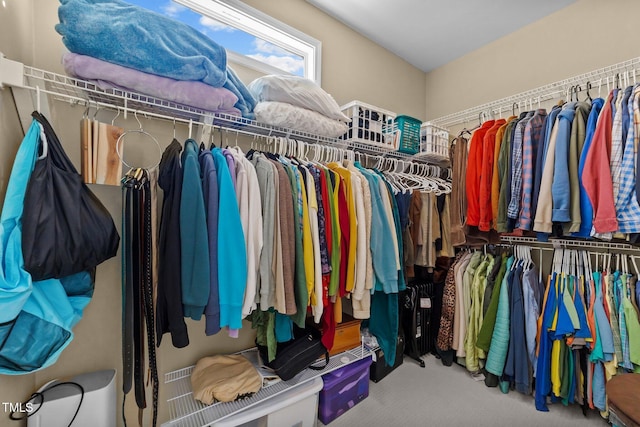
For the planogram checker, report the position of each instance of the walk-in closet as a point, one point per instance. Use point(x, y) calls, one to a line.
point(311, 213)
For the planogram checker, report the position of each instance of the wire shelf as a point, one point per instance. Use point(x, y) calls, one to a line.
point(571, 243)
point(541, 94)
point(185, 411)
point(77, 91)
point(73, 90)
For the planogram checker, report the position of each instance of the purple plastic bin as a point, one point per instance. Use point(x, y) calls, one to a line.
point(343, 389)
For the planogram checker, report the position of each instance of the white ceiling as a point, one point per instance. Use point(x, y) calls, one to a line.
point(431, 33)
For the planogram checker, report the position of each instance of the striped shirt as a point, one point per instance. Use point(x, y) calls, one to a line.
point(516, 170)
point(531, 144)
point(616, 145)
point(627, 207)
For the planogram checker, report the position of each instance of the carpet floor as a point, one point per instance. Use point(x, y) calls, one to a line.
point(438, 395)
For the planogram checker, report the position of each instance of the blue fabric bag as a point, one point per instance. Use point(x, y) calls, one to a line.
point(36, 318)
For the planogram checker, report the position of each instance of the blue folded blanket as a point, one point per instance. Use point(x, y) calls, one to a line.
point(246, 101)
point(127, 35)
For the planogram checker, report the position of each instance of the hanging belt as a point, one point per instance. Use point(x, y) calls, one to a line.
point(148, 295)
point(138, 298)
point(127, 293)
point(137, 254)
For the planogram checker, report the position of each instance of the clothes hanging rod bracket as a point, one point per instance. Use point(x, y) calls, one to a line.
point(11, 72)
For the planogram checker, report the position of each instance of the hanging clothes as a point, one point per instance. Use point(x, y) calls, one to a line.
point(458, 154)
point(169, 314)
point(194, 246)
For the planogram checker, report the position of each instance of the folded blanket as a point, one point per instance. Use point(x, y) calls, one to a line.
point(106, 75)
point(131, 36)
point(292, 117)
point(246, 101)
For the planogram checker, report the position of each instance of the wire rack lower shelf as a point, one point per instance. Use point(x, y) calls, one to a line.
point(185, 411)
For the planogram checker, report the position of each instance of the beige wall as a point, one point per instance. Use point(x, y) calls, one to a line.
point(587, 35)
point(353, 68)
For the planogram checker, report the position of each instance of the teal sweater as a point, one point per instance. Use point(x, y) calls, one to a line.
point(500, 337)
point(194, 243)
point(384, 264)
point(232, 253)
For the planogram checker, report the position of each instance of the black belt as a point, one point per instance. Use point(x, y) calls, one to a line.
point(148, 296)
point(138, 291)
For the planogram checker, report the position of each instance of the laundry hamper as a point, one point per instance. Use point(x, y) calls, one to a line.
point(370, 126)
point(434, 143)
point(408, 134)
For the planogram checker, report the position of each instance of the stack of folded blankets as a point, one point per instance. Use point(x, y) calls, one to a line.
point(297, 103)
point(118, 45)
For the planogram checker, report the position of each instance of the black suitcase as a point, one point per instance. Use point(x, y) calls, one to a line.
point(416, 320)
point(379, 368)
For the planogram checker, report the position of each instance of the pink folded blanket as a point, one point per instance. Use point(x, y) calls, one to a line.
point(106, 75)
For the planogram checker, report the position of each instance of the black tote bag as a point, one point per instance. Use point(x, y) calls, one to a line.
point(65, 228)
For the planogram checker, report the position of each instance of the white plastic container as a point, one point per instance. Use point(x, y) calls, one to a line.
point(434, 142)
point(370, 125)
point(295, 407)
point(98, 408)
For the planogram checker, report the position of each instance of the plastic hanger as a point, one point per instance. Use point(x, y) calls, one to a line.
point(588, 94)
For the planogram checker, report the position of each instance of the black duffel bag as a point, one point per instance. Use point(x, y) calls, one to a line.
point(65, 228)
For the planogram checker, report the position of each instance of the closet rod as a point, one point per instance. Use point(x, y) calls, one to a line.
point(531, 98)
point(77, 91)
point(567, 243)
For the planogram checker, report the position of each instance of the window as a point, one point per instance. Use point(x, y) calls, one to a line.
point(251, 38)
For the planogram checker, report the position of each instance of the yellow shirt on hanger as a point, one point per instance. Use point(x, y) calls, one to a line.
point(345, 174)
point(307, 244)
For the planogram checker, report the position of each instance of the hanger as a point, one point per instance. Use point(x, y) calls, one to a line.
point(120, 143)
point(588, 94)
point(114, 119)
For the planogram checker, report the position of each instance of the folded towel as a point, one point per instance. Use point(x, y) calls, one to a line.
point(106, 75)
point(246, 101)
point(131, 36)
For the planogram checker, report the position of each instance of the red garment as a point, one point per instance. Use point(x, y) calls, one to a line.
point(345, 230)
point(486, 175)
point(474, 170)
point(328, 322)
point(327, 210)
point(596, 177)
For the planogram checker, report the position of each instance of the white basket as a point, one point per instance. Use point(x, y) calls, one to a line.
point(434, 142)
point(370, 125)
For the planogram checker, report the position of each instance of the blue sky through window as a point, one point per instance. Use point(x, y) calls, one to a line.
point(230, 38)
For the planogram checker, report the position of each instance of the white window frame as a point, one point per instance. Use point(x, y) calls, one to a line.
point(237, 14)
